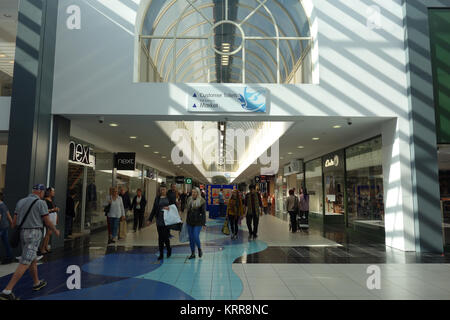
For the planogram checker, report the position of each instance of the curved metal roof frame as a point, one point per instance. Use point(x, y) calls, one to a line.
point(253, 60)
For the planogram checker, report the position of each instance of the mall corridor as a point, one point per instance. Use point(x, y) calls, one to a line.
point(278, 265)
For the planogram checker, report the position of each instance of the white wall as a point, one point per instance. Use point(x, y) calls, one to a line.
point(361, 73)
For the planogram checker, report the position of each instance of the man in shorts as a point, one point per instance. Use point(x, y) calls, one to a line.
point(30, 238)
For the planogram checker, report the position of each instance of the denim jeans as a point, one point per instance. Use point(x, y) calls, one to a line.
point(194, 236)
point(4, 235)
point(114, 223)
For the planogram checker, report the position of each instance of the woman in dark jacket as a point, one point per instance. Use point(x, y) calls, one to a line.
point(161, 203)
point(138, 207)
point(196, 219)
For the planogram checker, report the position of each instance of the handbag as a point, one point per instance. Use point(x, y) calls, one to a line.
point(225, 228)
point(123, 229)
point(184, 234)
point(14, 239)
point(107, 209)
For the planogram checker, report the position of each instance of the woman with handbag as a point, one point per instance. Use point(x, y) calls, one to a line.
point(235, 211)
point(162, 202)
point(196, 220)
point(115, 214)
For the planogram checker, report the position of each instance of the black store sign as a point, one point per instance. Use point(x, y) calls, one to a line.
point(126, 161)
point(179, 180)
point(79, 153)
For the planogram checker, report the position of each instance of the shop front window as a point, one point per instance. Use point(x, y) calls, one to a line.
point(365, 184)
point(97, 194)
point(334, 178)
point(313, 178)
point(131, 181)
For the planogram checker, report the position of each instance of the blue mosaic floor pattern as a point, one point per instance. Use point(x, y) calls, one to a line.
point(137, 275)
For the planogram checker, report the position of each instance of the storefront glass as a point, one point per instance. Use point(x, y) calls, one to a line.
point(334, 178)
point(313, 174)
point(97, 193)
point(365, 184)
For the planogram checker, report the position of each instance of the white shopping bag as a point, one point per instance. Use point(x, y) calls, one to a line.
point(171, 216)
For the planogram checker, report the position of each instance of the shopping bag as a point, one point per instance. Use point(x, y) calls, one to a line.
point(123, 229)
point(225, 228)
point(184, 234)
point(171, 216)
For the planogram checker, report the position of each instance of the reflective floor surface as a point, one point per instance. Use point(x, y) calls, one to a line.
point(279, 265)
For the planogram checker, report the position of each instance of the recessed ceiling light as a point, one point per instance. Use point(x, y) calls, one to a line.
point(164, 157)
point(2, 55)
point(169, 160)
point(300, 147)
point(146, 146)
point(133, 137)
point(281, 158)
point(11, 62)
point(316, 139)
point(156, 152)
point(290, 153)
point(337, 126)
point(113, 125)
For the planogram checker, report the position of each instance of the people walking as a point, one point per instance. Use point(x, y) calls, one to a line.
point(30, 214)
point(304, 208)
point(5, 223)
point(253, 206)
point(162, 202)
point(195, 220)
point(70, 214)
point(292, 208)
point(53, 215)
point(138, 206)
point(115, 214)
point(235, 211)
point(265, 203)
point(183, 199)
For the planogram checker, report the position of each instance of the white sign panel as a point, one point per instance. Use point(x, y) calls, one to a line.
point(230, 99)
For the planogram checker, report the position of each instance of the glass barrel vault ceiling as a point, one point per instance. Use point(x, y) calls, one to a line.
point(245, 34)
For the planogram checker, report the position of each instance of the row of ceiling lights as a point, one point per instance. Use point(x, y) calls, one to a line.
point(314, 139)
point(114, 125)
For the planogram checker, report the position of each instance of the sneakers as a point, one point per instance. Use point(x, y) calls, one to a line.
point(192, 256)
point(42, 283)
point(200, 253)
point(10, 296)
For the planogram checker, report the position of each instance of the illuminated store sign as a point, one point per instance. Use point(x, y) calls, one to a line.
point(80, 154)
point(332, 162)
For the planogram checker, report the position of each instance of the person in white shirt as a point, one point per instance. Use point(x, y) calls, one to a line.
point(115, 214)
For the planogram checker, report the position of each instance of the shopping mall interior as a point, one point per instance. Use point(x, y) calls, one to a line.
point(311, 98)
point(338, 163)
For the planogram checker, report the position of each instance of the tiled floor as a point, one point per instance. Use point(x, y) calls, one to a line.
point(279, 265)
